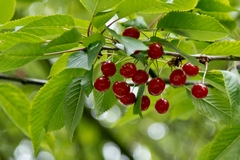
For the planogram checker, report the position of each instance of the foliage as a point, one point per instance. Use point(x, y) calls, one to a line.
point(185, 28)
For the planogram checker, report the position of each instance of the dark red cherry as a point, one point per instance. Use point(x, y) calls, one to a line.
point(108, 68)
point(156, 86)
point(145, 103)
point(190, 69)
point(128, 70)
point(128, 99)
point(120, 88)
point(102, 84)
point(162, 105)
point(140, 77)
point(199, 90)
point(177, 78)
point(131, 32)
point(155, 50)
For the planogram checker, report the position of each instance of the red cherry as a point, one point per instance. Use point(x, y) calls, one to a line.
point(156, 86)
point(108, 68)
point(199, 90)
point(145, 103)
point(177, 78)
point(128, 70)
point(128, 99)
point(102, 84)
point(136, 52)
point(190, 69)
point(162, 106)
point(140, 77)
point(121, 88)
point(155, 50)
point(131, 32)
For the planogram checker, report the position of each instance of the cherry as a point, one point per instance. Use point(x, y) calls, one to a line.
point(199, 90)
point(155, 50)
point(145, 103)
point(131, 32)
point(108, 68)
point(120, 88)
point(136, 52)
point(190, 69)
point(140, 77)
point(162, 106)
point(128, 70)
point(177, 78)
point(156, 86)
point(102, 84)
point(128, 99)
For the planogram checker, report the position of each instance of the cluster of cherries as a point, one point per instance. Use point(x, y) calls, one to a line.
point(155, 86)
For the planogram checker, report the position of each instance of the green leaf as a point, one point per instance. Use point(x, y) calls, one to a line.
point(103, 101)
point(15, 104)
point(46, 107)
point(73, 105)
point(215, 78)
point(50, 26)
point(101, 18)
point(137, 104)
point(7, 9)
point(17, 24)
point(9, 39)
point(215, 106)
point(130, 44)
point(67, 40)
point(224, 142)
point(215, 5)
point(138, 22)
point(86, 82)
point(193, 26)
point(83, 59)
point(189, 58)
point(129, 7)
point(93, 38)
point(223, 48)
point(95, 6)
point(19, 55)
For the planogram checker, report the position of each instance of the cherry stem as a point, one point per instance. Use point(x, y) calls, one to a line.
point(205, 72)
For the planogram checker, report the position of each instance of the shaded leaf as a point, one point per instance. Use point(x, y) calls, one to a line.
point(137, 104)
point(67, 40)
point(73, 105)
point(193, 26)
point(86, 83)
point(7, 9)
point(16, 105)
point(19, 55)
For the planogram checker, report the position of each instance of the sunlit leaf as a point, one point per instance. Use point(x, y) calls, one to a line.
point(93, 38)
point(73, 105)
point(15, 104)
point(7, 9)
point(215, 5)
point(193, 26)
point(101, 18)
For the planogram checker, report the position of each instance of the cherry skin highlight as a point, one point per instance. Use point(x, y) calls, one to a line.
point(128, 70)
point(131, 32)
point(145, 103)
point(177, 78)
point(156, 86)
point(199, 90)
point(162, 105)
point(190, 69)
point(120, 88)
point(102, 84)
point(155, 50)
point(108, 68)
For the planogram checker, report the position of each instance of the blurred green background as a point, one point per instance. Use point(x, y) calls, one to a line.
point(178, 135)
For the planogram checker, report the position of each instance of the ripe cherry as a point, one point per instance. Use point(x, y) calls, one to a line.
point(177, 78)
point(140, 77)
point(162, 106)
point(131, 32)
point(120, 88)
point(156, 86)
point(136, 52)
point(128, 99)
point(145, 103)
point(108, 68)
point(155, 50)
point(128, 70)
point(199, 90)
point(190, 69)
point(102, 84)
